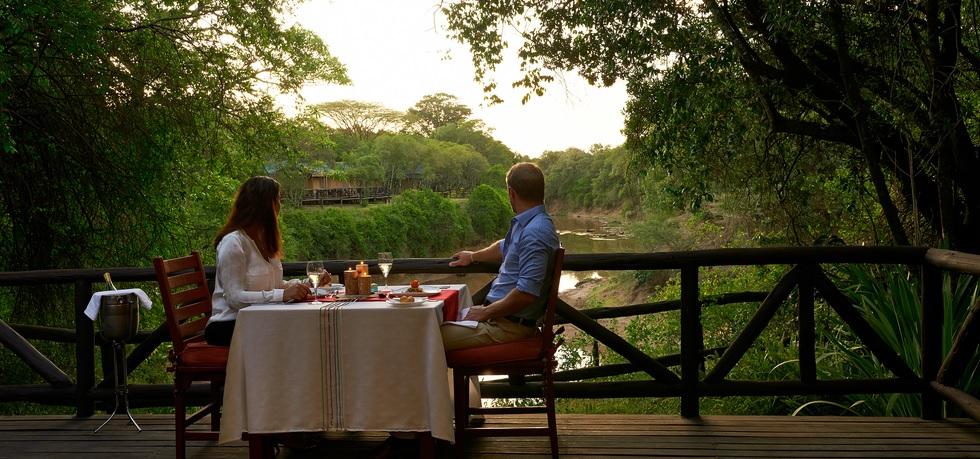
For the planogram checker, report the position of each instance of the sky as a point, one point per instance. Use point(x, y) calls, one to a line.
point(397, 51)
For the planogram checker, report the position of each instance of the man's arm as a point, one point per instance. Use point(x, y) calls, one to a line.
point(514, 302)
point(489, 254)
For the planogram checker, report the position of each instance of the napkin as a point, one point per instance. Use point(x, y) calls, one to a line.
point(92, 310)
point(464, 323)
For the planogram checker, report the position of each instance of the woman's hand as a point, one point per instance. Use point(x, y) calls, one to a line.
point(295, 292)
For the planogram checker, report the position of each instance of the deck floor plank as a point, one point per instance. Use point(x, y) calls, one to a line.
point(580, 436)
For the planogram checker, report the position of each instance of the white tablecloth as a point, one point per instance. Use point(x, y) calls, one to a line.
point(365, 366)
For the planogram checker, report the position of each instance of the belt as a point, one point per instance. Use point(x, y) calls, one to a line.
point(522, 321)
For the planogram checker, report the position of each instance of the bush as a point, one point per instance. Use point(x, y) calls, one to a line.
point(489, 212)
point(415, 224)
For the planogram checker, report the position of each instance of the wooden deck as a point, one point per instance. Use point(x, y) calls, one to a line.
point(579, 436)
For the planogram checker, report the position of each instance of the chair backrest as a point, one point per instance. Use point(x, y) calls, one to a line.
point(547, 328)
point(186, 298)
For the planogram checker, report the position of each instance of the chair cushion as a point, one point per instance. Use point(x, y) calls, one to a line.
point(493, 354)
point(202, 354)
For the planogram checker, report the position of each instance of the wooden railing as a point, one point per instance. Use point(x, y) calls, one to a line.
point(933, 381)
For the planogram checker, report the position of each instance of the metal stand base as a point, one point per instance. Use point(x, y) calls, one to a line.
point(121, 390)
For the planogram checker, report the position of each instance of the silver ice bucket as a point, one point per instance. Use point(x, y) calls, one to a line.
point(119, 317)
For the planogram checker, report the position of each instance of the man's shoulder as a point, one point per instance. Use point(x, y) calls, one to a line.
point(543, 221)
point(542, 228)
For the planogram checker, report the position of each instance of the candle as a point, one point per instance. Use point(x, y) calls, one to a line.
point(350, 281)
point(362, 268)
point(364, 284)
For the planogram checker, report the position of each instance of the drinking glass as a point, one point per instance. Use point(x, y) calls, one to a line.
point(314, 270)
point(384, 263)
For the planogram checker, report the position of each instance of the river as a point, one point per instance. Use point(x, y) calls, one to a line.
point(582, 234)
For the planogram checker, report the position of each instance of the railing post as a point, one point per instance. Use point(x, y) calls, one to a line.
point(84, 351)
point(692, 342)
point(932, 327)
point(808, 360)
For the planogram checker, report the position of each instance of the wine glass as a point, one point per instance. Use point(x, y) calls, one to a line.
point(384, 263)
point(314, 270)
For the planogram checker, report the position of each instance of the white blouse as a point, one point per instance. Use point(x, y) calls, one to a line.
point(243, 277)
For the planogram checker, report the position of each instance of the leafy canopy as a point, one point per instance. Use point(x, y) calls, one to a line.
point(125, 127)
point(886, 90)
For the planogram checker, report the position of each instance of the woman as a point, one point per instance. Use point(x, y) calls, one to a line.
point(249, 270)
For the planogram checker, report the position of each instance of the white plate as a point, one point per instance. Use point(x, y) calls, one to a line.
point(426, 291)
point(394, 300)
point(331, 290)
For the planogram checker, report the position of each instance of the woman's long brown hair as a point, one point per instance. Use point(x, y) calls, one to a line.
point(256, 212)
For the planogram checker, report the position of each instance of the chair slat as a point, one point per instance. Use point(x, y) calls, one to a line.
point(193, 327)
point(174, 265)
point(193, 309)
point(178, 300)
point(194, 278)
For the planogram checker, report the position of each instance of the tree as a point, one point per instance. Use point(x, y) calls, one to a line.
point(362, 120)
point(469, 133)
point(888, 88)
point(125, 127)
point(434, 111)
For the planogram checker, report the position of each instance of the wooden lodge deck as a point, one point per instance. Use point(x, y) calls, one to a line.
point(579, 436)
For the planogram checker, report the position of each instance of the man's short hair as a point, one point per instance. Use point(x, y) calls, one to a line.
point(527, 180)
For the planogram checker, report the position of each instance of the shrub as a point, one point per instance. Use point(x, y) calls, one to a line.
point(489, 212)
point(415, 224)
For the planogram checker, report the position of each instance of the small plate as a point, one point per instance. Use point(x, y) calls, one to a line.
point(394, 300)
point(426, 291)
point(331, 290)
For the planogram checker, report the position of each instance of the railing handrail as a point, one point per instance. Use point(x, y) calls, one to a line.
point(946, 259)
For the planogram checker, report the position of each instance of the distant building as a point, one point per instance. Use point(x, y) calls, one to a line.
point(324, 188)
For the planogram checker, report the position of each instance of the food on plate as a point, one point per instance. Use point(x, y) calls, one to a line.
point(406, 299)
point(415, 287)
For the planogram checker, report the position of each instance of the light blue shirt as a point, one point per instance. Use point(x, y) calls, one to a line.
point(526, 250)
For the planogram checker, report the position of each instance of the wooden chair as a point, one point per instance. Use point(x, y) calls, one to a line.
point(517, 359)
point(187, 303)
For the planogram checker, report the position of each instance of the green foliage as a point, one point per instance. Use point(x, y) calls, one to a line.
point(890, 300)
point(434, 111)
point(496, 176)
point(403, 227)
point(408, 161)
point(770, 100)
point(361, 120)
point(489, 212)
point(599, 179)
point(470, 133)
point(125, 125)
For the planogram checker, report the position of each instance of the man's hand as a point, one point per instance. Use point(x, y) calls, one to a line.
point(478, 313)
point(462, 258)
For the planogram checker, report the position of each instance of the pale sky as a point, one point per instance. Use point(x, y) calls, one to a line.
point(397, 51)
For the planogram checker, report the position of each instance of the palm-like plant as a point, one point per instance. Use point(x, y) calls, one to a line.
point(889, 298)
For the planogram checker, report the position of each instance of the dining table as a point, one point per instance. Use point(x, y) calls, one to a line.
point(348, 364)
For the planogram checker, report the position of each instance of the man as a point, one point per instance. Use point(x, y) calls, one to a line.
point(516, 301)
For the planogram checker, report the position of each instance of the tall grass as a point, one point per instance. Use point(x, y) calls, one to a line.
point(889, 298)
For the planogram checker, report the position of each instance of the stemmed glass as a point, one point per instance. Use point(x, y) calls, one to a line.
point(384, 263)
point(314, 270)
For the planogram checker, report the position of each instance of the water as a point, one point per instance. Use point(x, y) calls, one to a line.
point(581, 234)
